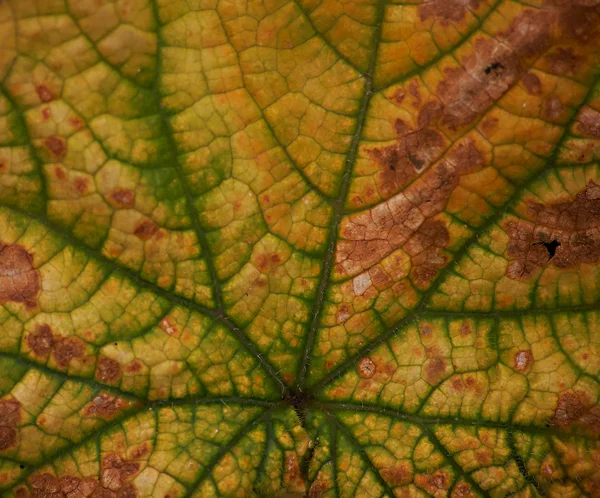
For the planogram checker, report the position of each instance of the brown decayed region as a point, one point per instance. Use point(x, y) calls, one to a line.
point(108, 370)
point(19, 280)
point(10, 416)
point(43, 341)
point(576, 409)
point(589, 122)
point(570, 228)
point(104, 406)
point(114, 482)
point(447, 12)
point(407, 221)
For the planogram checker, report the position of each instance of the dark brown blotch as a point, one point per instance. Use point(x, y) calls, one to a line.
point(44, 93)
point(576, 409)
point(108, 370)
point(19, 280)
point(145, 229)
point(123, 197)
point(366, 368)
point(41, 341)
point(448, 12)
point(57, 146)
point(67, 350)
point(104, 406)
point(532, 84)
point(564, 61)
point(397, 476)
point(589, 122)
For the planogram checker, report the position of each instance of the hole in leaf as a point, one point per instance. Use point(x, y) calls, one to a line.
point(22, 466)
point(299, 400)
point(550, 247)
point(493, 67)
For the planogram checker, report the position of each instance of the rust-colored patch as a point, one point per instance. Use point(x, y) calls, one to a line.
point(493, 67)
point(589, 122)
point(57, 146)
point(435, 370)
point(145, 229)
point(108, 370)
point(398, 475)
point(462, 490)
point(67, 350)
point(564, 234)
point(8, 437)
point(123, 197)
point(104, 406)
point(366, 368)
point(523, 360)
point(447, 12)
point(141, 450)
point(465, 329)
point(577, 409)
point(532, 84)
point(116, 471)
point(433, 483)
point(553, 109)
point(44, 93)
point(580, 23)
point(318, 489)
point(81, 184)
point(75, 122)
point(564, 62)
point(46, 113)
point(134, 367)
point(60, 173)
point(41, 341)
point(19, 280)
point(22, 492)
point(414, 151)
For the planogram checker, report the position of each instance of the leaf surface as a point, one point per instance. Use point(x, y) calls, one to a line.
point(299, 248)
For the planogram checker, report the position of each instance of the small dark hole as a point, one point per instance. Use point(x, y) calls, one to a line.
point(493, 66)
point(550, 247)
point(22, 466)
point(115, 343)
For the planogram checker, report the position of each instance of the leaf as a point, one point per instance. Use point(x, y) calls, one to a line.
point(284, 249)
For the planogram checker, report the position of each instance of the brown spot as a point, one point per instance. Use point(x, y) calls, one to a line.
point(580, 23)
point(433, 483)
point(413, 90)
point(108, 370)
point(44, 485)
point(145, 230)
point(123, 197)
point(41, 341)
point(116, 471)
point(532, 84)
point(465, 329)
point(8, 437)
point(127, 491)
point(523, 360)
point(104, 406)
point(60, 173)
point(68, 349)
point(564, 234)
point(133, 367)
point(44, 93)
point(57, 146)
point(553, 109)
point(589, 122)
point(318, 489)
point(366, 368)
point(141, 450)
point(46, 113)
point(564, 61)
point(19, 281)
point(457, 384)
point(577, 409)
point(22, 492)
point(75, 122)
point(399, 95)
point(462, 490)
point(81, 184)
point(397, 476)
point(447, 11)
point(435, 370)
